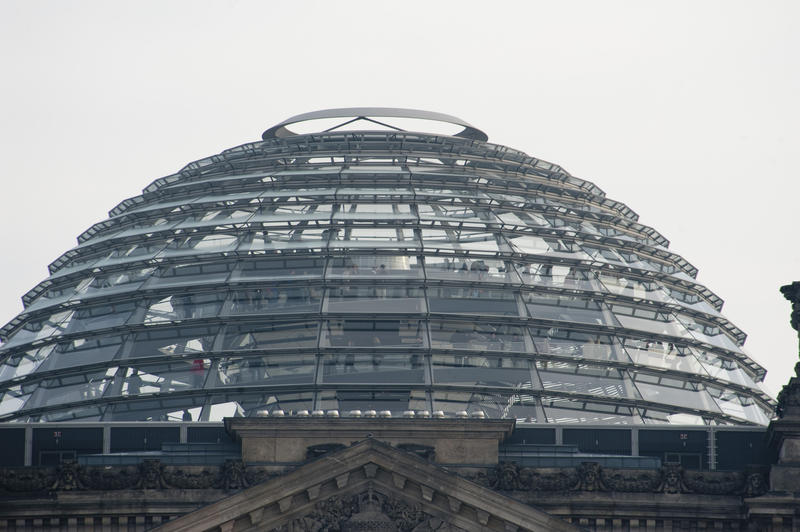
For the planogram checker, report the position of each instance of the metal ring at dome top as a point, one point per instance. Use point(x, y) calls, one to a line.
point(281, 130)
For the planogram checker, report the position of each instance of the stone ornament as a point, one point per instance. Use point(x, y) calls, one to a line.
point(591, 476)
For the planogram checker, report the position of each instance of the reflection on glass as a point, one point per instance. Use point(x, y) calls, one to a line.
point(375, 267)
point(71, 388)
point(499, 405)
point(271, 335)
point(185, 374)
point(268, 370)
point(184, 306)
point(395, 401)
point(582, 378)
point(83, 351)
point(739, 406)
point(559, 276)
point(101, 316)
point(375, 299)
point(672, 391)
point(281, 268)
point(171, 341)
point(40, 328)
point(21, 364)
point(636, 288)
point(564, 410)
point(461, 240)
point(477, 336)
point(473, 300)
point(366, 333)
point(265, 299)
point(190, 274)
point(660, 354)
point(477, 370)
point(567, 308)
point(371, 368)
point(724, 368)
point(154, 409)
point(470, 270)
point(567, 342)
point(650, 320)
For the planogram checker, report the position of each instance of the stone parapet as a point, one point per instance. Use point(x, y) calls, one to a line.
point(274, 440)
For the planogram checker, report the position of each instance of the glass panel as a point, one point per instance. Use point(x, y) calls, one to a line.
point(83, 351)
point(72, 388)
point(455, 213)
point(739, 406)
point(268, 370)
point(191, 274)
point(276, 299)
point(693, 301)
point(280, 268)
point(175, 376)
point(39, 328)
point(275, 335)
point(12, 400)
point(650, 320)
point(466, 269)
point(724, 368)
point(101, 316)
point(60, 293)
point(567, 308)
point(375, 299)
point(662, 355)
point(709, 333)
point(365, 333)
point(581, 378)
point(564, 410)
point(374, 236)
point(524, 219)
point(461, 240)
point(375, 266)
point(396, 402)
point(672, 391)
point(559, 276)
point(472, 300)
point(477, 370)
point(208, 243)
point(154, 409)
point(565, 342)
point(119, 281)
point(374, 211)
point(635, 288)
point(84, 413)
point(373, 368)
point(172, 341)
point(21, 364)
point(184, 306)
point(242, 404)
point(521, 407)
point(477, 336)
point(301, 237)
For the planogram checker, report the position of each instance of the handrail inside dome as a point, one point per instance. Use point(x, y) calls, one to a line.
point(365, 113)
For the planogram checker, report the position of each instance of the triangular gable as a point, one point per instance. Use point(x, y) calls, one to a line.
point(369, 480)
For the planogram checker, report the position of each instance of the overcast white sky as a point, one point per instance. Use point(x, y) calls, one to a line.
point(686, 111)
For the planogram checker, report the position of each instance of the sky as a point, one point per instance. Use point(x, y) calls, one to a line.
point(686, 111)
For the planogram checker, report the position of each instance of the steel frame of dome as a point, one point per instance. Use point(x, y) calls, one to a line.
point(375, 270)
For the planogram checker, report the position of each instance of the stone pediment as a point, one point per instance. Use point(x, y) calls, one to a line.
point(368, 486)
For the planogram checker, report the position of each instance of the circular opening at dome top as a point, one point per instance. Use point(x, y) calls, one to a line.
point(374, 119)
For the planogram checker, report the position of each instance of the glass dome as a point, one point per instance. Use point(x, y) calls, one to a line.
point(369, 267)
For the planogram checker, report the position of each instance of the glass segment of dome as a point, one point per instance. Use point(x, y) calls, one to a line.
point(382, 270)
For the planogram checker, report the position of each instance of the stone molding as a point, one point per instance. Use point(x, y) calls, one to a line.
point(593, 477)
point(233, 475)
